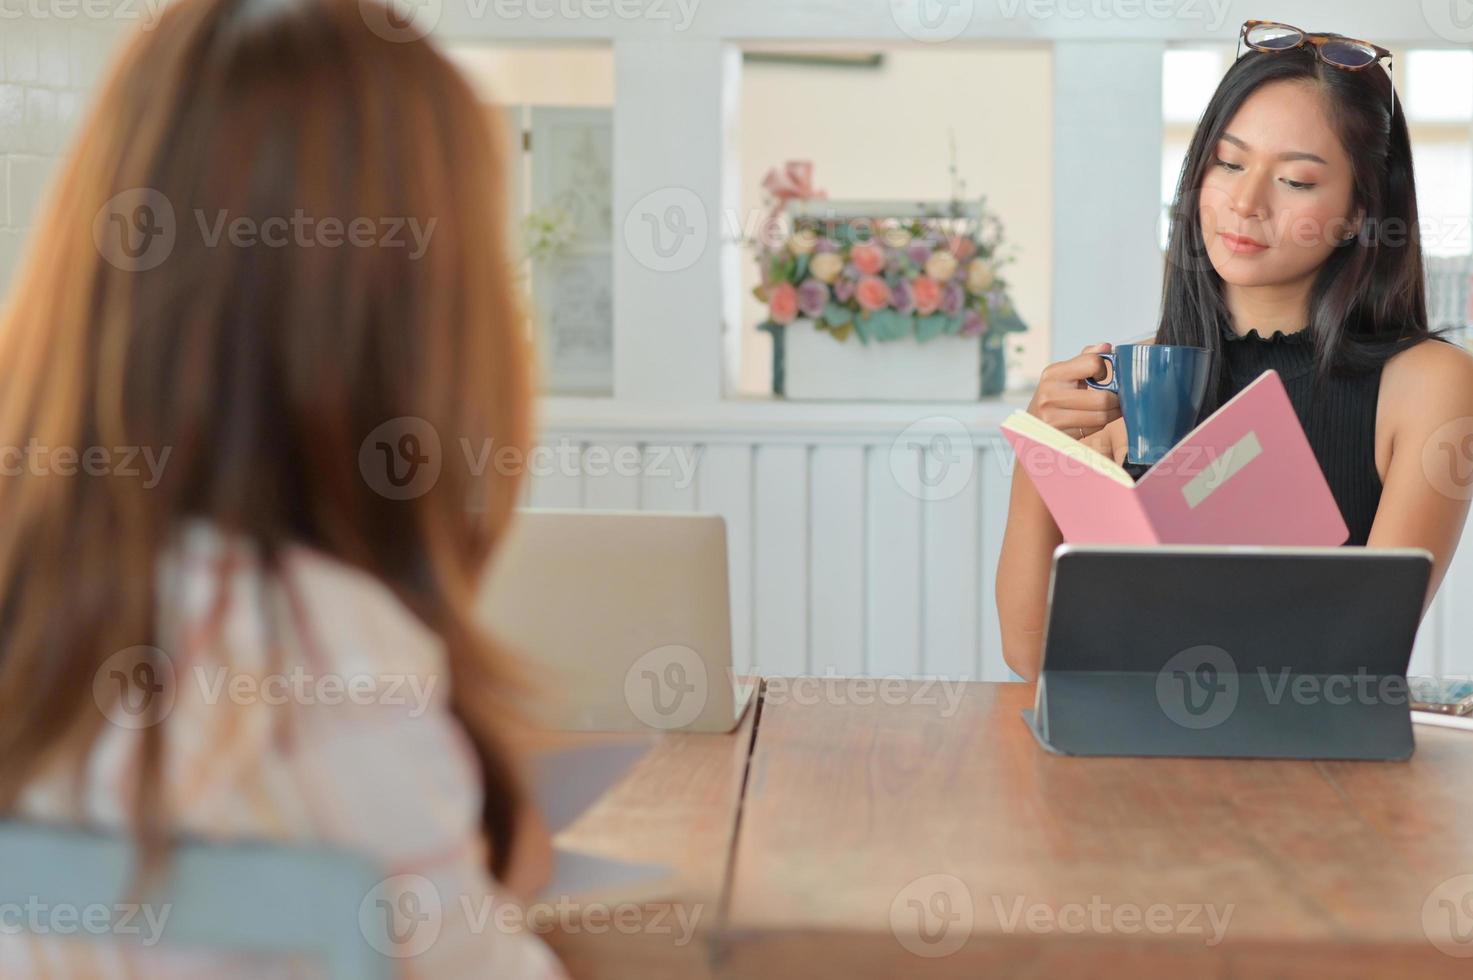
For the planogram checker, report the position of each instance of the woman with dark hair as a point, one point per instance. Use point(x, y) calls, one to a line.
point(1293, 247)
point(271, 635)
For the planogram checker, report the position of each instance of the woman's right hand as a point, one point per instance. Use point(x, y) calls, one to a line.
point(1064, 401)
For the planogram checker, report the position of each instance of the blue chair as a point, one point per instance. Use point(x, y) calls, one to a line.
point(246, 897)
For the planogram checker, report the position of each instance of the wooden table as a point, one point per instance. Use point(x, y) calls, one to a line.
point(902, 836)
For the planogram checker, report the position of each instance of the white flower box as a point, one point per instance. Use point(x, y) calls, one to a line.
point(817, 367)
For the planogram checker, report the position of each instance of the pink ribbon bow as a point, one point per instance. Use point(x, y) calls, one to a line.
point(792, 182)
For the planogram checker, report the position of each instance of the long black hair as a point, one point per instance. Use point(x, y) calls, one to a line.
point(1368, 301)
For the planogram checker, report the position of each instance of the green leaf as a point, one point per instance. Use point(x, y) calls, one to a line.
point(864, 327)
point(800, 269)
point(842, 332)
point(837, 316)
point(882, 325)
point(782, 268)
point(930, 327)
point(901, 325)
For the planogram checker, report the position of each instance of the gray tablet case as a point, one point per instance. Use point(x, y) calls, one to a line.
point(1255, 652)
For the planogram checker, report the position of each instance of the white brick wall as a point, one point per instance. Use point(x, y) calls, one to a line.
point(51, 58)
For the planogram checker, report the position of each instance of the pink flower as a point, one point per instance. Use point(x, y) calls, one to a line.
point(962, 248)
point(782, 303)
point(873, 293)
point(868, 258)
point(927, 294)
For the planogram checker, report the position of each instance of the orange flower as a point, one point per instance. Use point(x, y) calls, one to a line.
point(873, 294)
point(927, 294)
point(782, 303)
point(868, 258)
point(962, 248)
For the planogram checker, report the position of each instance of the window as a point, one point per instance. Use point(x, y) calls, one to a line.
point(992, 102)
point(1189, 76)
point(559, 104)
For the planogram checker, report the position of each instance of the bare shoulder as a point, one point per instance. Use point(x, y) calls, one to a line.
point(1428, 384)
point(1430, 364)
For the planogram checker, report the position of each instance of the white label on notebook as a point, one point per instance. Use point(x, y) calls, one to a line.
point(1239, 455)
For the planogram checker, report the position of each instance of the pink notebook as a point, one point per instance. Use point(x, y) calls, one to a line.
point(1246, 475)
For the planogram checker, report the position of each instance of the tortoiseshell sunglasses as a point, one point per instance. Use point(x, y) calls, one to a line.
point(1335, 50)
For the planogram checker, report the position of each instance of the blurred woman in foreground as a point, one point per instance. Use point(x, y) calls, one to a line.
point(273, 272)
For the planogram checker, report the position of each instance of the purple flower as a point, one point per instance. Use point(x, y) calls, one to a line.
point(974, 325)
point(894, 257)
point(844, 290)
point(952, 298)
point(902, 298)
point(813, 298)
point(919, 252)
point(826, 245)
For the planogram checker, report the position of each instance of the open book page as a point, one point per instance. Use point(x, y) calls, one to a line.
point(1246, 476)
point(1040, 431)
point(1090, 497)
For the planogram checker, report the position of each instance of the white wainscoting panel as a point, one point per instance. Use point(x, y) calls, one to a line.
point(893, 564)
point(840, 562)
point(837, 536)
point(780, 587)
point(724, 486)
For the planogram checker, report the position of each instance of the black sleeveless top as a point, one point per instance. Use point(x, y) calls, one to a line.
point(1340, 423)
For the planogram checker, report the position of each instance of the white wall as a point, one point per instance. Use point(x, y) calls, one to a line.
point(49, 65)
point(914, 104)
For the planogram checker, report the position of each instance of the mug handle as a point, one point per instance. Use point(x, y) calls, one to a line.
point(1113, 384)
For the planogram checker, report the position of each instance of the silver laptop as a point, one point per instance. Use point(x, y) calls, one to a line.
point(625, 616)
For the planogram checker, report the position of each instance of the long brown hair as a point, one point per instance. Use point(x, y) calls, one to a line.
point(1368, 302)
point(143, 317)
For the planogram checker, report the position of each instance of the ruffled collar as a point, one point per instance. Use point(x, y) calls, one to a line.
point(1298, 338)
point(1247, 356)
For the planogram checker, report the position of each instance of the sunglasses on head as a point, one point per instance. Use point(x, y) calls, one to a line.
point(1271, 37)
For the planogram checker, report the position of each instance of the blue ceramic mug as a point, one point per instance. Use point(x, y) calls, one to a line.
point(1161, 388)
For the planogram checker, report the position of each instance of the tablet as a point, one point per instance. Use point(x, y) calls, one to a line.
point(1260, 652)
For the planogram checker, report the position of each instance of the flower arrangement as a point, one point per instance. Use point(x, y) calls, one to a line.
point(935, 273)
